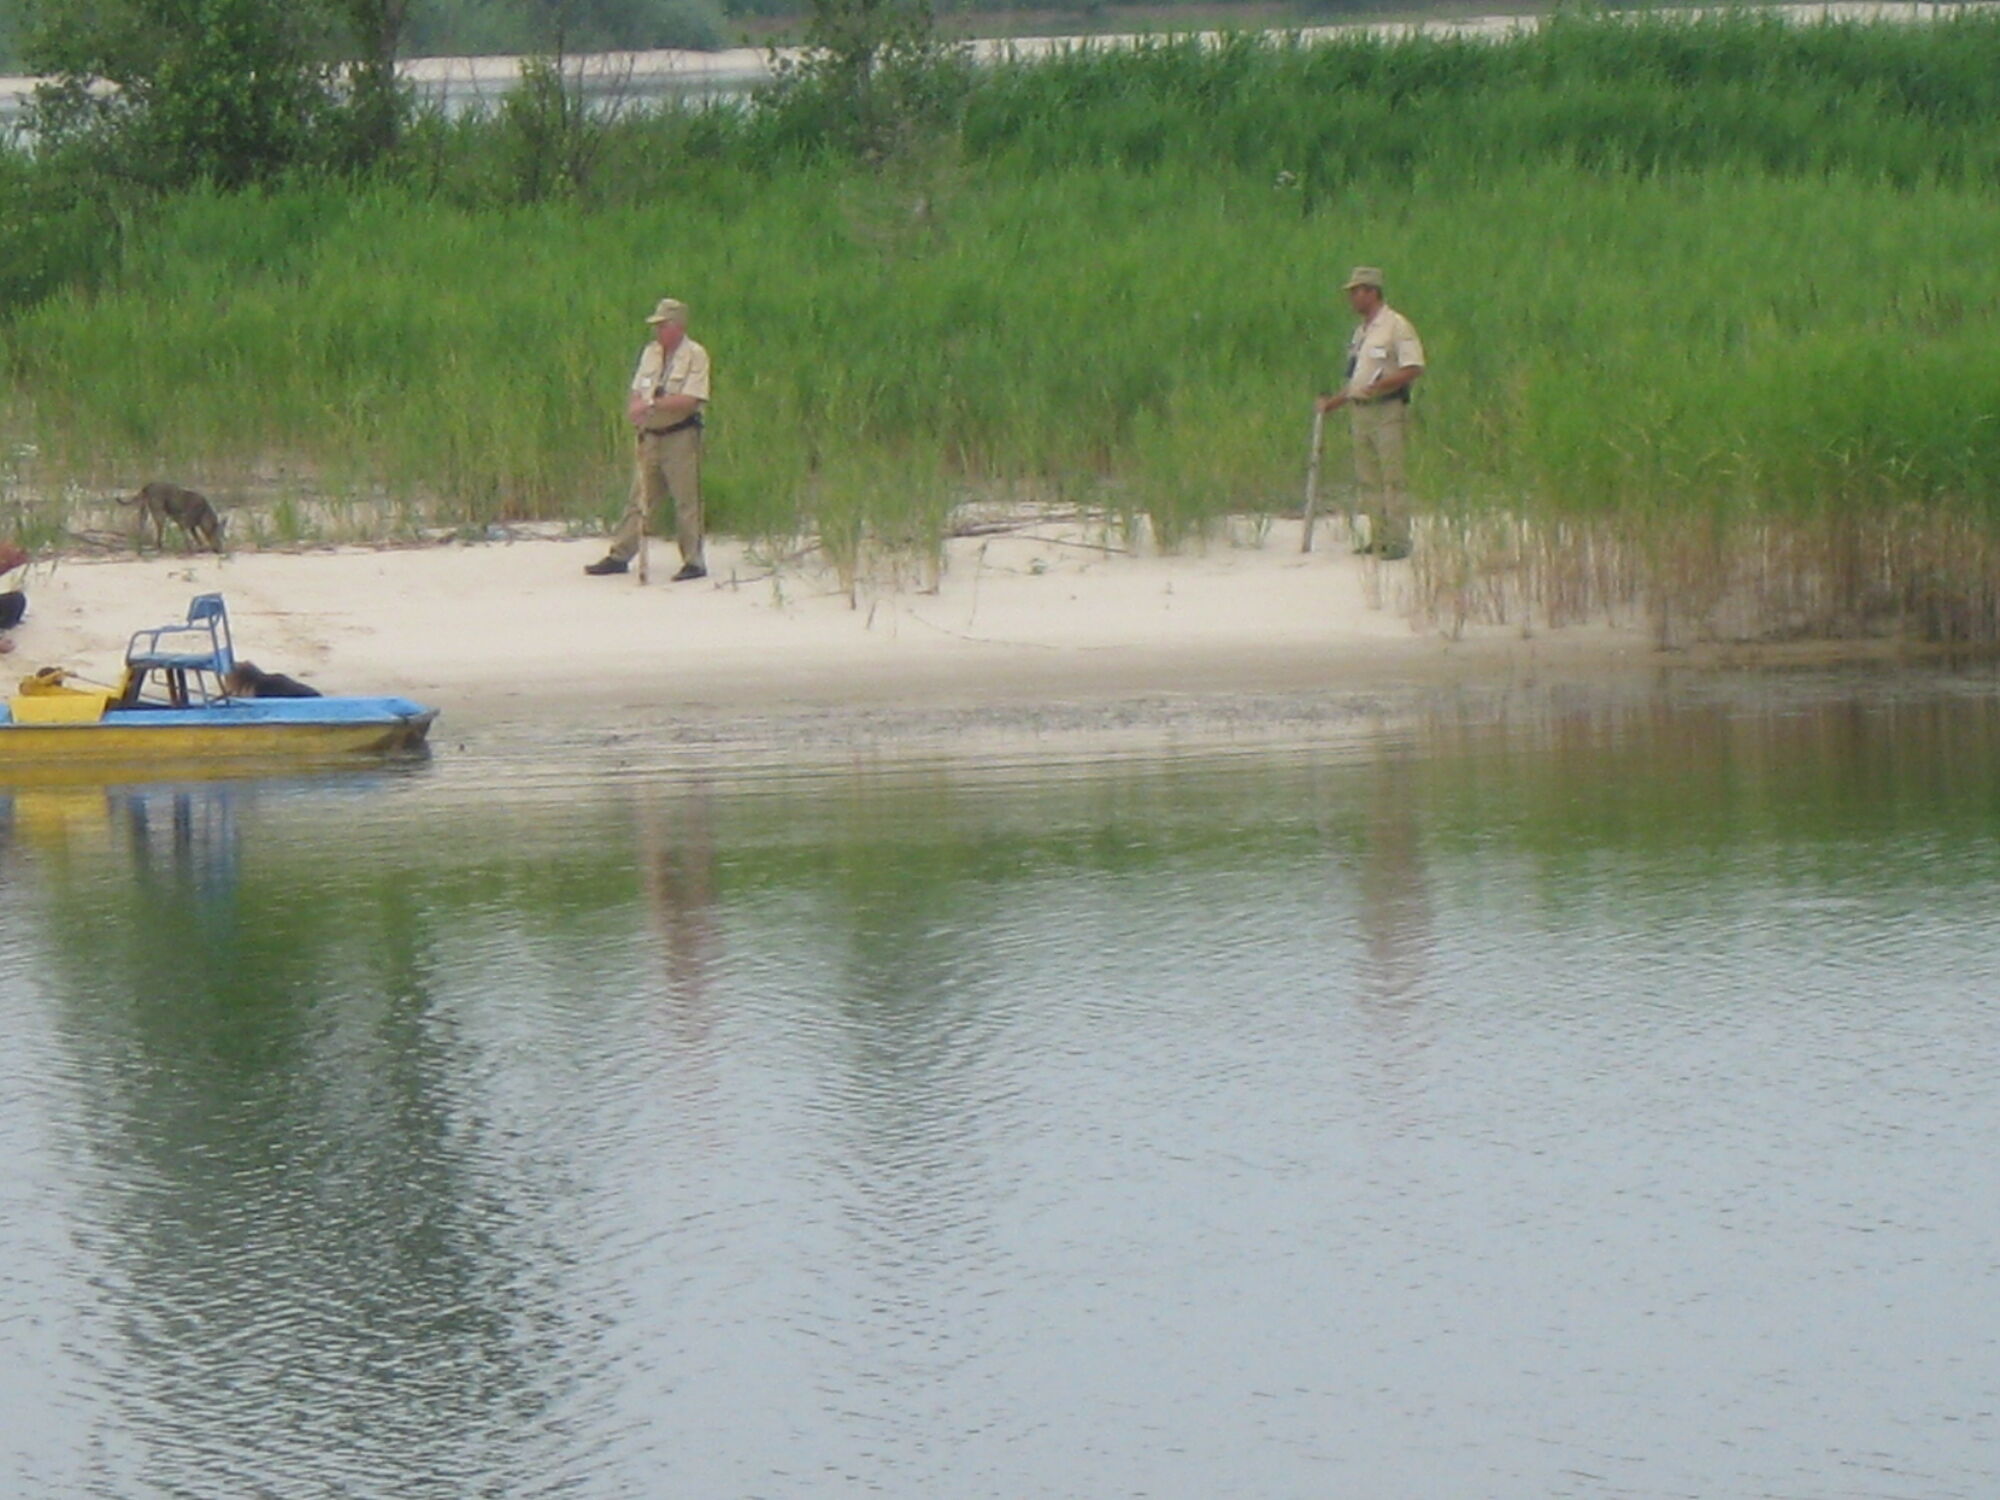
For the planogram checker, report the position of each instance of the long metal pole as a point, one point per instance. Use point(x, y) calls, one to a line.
point(1312, 479)
point(645, 510)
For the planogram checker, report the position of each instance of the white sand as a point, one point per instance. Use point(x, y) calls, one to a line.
point(515, 631)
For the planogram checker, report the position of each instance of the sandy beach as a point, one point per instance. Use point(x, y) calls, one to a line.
point(513, 631)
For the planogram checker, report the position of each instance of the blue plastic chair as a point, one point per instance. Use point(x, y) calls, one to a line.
point(185, 654)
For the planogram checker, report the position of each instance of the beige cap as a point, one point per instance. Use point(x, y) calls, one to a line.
point(669, 311)
point(1363, 276)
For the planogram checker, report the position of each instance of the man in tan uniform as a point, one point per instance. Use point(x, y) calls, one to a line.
point(1384, 359)
point(669, 393)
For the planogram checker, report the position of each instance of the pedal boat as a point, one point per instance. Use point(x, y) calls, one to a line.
point(172, 708)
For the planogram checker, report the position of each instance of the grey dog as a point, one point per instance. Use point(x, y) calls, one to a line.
point(161, 502)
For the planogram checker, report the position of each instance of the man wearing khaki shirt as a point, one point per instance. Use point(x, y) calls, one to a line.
point(668, 395)
point(1384, 359)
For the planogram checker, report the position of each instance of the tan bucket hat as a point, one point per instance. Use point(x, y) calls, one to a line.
point(669, 311)
point(1363, 276)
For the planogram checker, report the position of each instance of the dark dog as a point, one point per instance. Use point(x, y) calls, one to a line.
point(161, 502)
point(247, 680)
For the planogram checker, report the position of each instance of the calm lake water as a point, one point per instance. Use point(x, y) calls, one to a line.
point(1589, 1092)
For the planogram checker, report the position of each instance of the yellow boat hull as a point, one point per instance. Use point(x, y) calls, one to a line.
point(32, 754)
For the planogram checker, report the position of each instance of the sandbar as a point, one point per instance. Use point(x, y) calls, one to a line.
point(1049, 625)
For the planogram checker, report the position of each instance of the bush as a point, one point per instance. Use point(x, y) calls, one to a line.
point(63, 228)
point(224, 91)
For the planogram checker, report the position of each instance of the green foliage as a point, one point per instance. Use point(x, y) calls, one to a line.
point(621, 24)
point(227, 91)
point(1742, 91)
point(377, 104)
point(1599, 343)
point(164, 93)
point(554, 140)
point(868, 81)
point(519, 26)
point(59, 228)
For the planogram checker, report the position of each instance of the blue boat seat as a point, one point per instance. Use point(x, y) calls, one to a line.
point(200, 644)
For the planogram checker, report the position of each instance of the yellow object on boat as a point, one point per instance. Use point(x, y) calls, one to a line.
point(47, 698)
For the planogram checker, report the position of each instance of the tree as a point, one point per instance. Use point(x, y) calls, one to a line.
point(225, 91)
point(871, 73)
point(377, 104)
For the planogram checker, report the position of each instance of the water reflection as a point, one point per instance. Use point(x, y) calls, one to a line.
point(1393, 906)
point(677, 862)
point(293, 1259)
point(1397, 1115)
point(184, 844)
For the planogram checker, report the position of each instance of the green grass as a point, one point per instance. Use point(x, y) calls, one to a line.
point(1675, 279)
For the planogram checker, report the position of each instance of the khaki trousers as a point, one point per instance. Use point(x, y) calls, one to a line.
point(1379, 430)
point(668, 467)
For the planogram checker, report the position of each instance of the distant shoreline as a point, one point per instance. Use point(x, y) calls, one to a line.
point(738, 69)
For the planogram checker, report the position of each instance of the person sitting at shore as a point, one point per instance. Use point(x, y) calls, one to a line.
point(13, 602)
point(247, 680)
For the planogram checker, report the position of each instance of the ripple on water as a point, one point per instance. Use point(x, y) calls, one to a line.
point(1423, 1122)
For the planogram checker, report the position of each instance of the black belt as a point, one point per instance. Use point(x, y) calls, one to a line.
point(680, 426)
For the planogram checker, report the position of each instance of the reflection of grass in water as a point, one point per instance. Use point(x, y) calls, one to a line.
point(1800, 763)
point(1693, 294)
